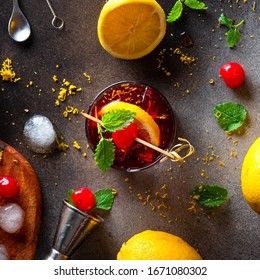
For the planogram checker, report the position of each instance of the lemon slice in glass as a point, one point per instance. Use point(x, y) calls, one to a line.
point(148, 129)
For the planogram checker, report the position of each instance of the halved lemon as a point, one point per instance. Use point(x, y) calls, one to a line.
point(130, 29)
point(148, 129)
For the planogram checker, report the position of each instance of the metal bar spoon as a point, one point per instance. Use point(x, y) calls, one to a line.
point(18, 27)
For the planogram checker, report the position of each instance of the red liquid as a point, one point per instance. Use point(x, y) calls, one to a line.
point(137, 156)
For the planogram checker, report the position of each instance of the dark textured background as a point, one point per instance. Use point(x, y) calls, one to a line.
point(231, 231)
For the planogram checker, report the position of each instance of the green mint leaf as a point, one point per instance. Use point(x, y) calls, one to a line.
point(233, 37)
point(223, 20)
point(69, 197)
point(104, 199)
point(175, 12)
point(230, 116)
point(210, 195)
point(117, 119)
point(195, 5)
point(105, 154)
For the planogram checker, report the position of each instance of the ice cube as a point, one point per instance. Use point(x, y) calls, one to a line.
point(11, 217)
point(3, 253)
point(40, 134)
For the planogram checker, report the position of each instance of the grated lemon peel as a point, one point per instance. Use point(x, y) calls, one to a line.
point(7, 72)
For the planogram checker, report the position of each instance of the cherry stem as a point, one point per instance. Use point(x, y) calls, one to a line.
point(173, 155)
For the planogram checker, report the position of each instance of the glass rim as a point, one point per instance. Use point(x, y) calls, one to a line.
point(168, 105)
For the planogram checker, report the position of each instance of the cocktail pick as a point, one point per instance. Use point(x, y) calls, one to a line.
point(172, 154)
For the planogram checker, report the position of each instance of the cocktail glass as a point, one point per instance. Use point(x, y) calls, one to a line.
point(137, 157)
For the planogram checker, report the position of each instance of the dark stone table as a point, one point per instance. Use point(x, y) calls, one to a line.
point(231, 231)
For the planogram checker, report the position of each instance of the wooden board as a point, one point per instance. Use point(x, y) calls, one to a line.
point(22, 246)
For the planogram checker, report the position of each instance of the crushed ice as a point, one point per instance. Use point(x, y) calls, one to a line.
point(40, 134)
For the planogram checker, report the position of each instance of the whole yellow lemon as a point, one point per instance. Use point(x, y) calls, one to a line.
point(157, 245)
point(250, 176)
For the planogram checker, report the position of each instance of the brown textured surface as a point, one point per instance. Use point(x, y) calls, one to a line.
point(231, 231)
point(21, 245)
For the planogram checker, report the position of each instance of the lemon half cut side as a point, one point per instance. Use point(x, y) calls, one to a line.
point(131, 29)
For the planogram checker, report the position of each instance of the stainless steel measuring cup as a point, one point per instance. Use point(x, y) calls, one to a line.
point(73, 227)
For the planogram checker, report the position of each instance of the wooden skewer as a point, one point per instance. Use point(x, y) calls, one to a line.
point(170, 155)
point(91, 118)
point(173, 155)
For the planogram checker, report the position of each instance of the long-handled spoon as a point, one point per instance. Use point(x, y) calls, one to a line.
point(18, 27)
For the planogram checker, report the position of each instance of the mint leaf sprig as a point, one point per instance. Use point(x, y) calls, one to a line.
point(209, 195)
point(111, 121)
point(233, 34)
point(178, 8)
point(230, 116)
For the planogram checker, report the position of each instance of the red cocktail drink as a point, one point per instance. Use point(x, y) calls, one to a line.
point(154, 118)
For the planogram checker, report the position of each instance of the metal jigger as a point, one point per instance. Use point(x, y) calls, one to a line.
point(73, 227)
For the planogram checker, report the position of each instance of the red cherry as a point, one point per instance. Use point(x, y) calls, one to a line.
point(84, 199)
point(233, 74)
point(125, 137)
point(8, 187)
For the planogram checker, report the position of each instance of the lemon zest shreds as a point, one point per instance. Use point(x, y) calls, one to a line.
point(62, 94)
point(55, 78)
point(66, 83)
point(218, 115)
point(7, 71)
point(192, 208)
point(88, 77)
point(65, 114)
point(185, 59)
point(75, 111)
point(114, 191)
point(70, 110)
point(76, 145)
point(63, 146)
point(72, 89)
point(254, 6)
